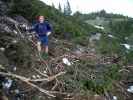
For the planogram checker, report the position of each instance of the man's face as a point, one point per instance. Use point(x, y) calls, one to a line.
point(41, 19)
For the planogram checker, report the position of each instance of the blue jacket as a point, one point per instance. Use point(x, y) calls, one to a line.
point(42, 28)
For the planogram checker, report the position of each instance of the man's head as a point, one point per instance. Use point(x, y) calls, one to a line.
point(41, 19)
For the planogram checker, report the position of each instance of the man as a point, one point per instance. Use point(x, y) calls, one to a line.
point(43, 30)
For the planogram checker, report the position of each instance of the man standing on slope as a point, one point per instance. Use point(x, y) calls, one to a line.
point(43, 30)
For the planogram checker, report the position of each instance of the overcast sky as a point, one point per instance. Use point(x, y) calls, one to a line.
point(124, 7)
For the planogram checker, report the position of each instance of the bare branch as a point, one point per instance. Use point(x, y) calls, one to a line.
point(45, 75)
point(51, 78)
point(26, 80)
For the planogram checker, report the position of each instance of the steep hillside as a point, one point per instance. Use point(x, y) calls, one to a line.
point(95, 66)
point(118, 31)
point(72, 71)
point(101, 13)
point(61, 24)
point(101, 18)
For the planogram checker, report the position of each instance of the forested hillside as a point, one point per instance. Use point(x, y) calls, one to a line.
point(105, 19)
point(90, 55)
point(61, 23)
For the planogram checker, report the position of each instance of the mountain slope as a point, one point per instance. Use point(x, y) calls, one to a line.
point(81, 69)
point(101, 18)
point(61, 23)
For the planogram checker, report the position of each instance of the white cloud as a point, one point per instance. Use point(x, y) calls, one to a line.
point(116, 6)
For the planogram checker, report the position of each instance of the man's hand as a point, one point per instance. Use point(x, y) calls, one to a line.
point(48, 33)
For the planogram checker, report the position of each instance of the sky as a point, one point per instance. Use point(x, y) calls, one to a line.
point(124, 7)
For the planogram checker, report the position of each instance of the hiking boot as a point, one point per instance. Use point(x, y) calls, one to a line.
point(45, 56)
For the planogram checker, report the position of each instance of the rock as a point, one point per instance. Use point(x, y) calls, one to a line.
point(14, 31)
point(17, 91)
point(33, 76)
point(95, 37)
point(130, 89)
point(7, 84)
point(14, 69)
point(14, 41)
point(111, 36)
point(2, 49)
point(79, 49)
point(115, 98)
point(99, 27)
point(78, 52)
point(126, 38)
point(1, 67)
point(66, 61)
point(127, 46)
point(44, 72)
point(38, 76)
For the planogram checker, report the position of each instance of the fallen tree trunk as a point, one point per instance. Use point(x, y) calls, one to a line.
point(29, 81)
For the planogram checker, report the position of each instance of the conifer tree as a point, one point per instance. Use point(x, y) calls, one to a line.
point(53, 5)
point(59, 7)
point(67, 8)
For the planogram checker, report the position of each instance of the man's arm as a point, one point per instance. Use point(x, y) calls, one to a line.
point(33, 28)
point(49, 29)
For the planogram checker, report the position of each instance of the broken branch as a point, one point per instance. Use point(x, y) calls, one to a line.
point(26, 80)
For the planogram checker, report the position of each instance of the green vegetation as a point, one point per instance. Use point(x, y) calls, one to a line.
point(101, 13)
point(122, 29)
point(108, 45)
point(60, 22)
point(87, 76)
point(119, 26)
point(84, 75)
point(67, 9)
